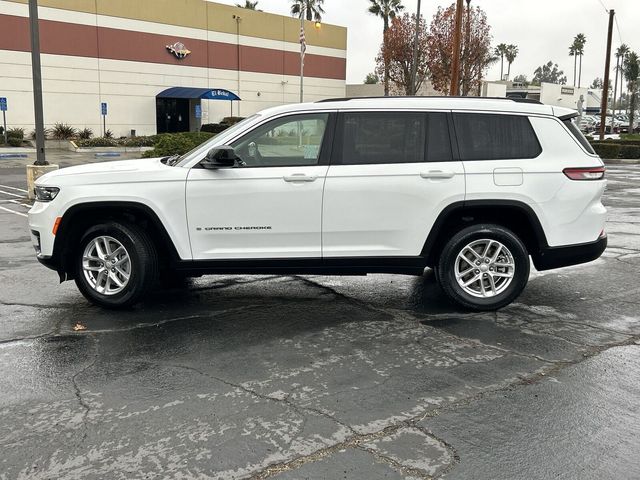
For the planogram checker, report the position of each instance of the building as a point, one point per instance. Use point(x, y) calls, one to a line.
point(133, 54)
point(377, 90)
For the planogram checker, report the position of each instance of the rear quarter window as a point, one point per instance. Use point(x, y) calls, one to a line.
point(575, 131)
point(486, 136)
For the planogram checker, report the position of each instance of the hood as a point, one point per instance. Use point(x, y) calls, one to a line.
point(106, 172)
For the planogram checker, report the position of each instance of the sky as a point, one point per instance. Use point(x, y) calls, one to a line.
point(542, 30)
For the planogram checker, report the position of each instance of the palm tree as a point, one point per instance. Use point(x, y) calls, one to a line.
point(501, 51)
point(312, 9)
point(580, 42)
point(387, 10)
point(573, 48)
point(632, 76)
point(248, 5)
point(510, 54)
point(622, 51)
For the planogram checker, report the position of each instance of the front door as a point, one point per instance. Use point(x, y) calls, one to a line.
point(172, 115)
point(270, 206)
point(391, 174)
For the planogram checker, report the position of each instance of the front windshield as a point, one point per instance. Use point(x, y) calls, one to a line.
point(206, 146)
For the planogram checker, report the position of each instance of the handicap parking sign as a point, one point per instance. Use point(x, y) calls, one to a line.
point(103, 107)
point(3, 104)
point(198, 111)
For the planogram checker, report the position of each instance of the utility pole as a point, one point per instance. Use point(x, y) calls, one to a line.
point(303, 48)
point(37, 82)
point(455, 62)
point(414, 66)
point(605, 87)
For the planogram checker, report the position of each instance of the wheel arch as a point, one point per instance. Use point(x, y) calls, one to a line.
point(78, 218)
point(512, 214)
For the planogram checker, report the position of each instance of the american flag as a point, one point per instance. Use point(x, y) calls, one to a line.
point(303, 41)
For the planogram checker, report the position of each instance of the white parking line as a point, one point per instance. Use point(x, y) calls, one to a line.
point(14, 188)
point(14, 212)
point(20, 203)
point(12, 194)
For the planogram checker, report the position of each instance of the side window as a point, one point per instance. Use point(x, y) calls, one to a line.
point(289, 141)
point(438, 139)
point(382, 137)
point(495, 136)
point(577, 134)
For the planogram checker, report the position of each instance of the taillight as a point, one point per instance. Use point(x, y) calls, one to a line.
point(595, 173)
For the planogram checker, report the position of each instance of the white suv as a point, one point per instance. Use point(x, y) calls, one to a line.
point(469, 187)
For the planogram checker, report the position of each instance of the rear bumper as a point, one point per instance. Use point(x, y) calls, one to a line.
point(557, 257)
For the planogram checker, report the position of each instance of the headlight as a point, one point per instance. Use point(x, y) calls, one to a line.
point(46, 194)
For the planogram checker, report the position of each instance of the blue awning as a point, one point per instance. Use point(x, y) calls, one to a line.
point(205, 93)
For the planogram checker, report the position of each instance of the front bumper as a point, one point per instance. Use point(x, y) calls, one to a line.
point(557, 257)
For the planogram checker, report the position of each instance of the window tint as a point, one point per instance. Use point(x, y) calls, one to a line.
point(495, 136)
point(381, 137)
point(575, 131)
point(287, 141)
point(438, 140)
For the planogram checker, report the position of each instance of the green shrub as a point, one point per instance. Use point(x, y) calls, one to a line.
point(47, 134)
point(214, 127)
point(85, 134)
point(630, 136)
point(108, 134)
point(15, 133)
point(14, 142)
point(97, 142)
point(607, 150)
point(177, 143)
point(231, 120)
point(629, 151)
point(62, 131)
point(149, 141)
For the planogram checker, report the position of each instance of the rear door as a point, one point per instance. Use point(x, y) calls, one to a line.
point(391, 174)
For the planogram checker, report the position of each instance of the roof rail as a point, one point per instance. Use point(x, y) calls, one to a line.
point(512, 99)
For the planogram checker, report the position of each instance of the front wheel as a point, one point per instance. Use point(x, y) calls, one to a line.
point(483, 267)
point(116, 264)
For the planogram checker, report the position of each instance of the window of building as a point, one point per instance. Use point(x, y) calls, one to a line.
point(495, 136)
point(289, 141)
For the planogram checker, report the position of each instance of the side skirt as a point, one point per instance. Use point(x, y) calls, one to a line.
point(307, 266)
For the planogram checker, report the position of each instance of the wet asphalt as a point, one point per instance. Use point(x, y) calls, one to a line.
point(302, 377)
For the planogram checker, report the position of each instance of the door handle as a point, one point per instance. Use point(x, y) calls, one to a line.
point(435, 174)
point(299, 177)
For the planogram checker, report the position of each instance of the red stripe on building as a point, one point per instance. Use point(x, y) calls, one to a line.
point(61, 38)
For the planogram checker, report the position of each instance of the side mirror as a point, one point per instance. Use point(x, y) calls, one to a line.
point(220, 157)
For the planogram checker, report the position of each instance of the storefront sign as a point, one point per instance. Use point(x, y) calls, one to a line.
point(567, 91)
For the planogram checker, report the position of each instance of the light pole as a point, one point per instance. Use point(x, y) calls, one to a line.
point(37, 82)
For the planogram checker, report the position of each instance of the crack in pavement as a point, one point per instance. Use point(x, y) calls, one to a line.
point(78, 392)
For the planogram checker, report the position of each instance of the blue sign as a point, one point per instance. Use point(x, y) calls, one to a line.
point(220, 94)
point(198, 111)
point(3, 104)
point(103, 107)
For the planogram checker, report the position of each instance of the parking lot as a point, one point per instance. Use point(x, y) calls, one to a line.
point(302, 377)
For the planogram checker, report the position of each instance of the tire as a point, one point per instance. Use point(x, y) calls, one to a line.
point(497, 280)
point(135, 264)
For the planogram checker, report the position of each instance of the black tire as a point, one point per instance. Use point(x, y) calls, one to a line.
point(447, 262)
point(143, 259)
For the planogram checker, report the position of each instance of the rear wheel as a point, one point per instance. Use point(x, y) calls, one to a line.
point(483, 267)
point(116, 264)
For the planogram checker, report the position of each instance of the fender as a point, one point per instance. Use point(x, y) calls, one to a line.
point(455, 208)
point(62, 246)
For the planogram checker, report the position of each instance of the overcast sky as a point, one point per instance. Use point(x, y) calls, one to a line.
point(542, 29)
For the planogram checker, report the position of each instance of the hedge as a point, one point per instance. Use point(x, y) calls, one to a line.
point(629, 151)
point(177, 143)
point(607, 150)
point(14, 141)
point(97, 142)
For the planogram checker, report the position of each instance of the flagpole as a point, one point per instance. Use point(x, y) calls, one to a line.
point(302, 49)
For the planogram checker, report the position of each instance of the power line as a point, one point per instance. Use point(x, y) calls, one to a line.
point(618, 29)
point(603, 6)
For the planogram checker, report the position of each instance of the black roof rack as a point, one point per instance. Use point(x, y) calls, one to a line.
point(512, 99)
